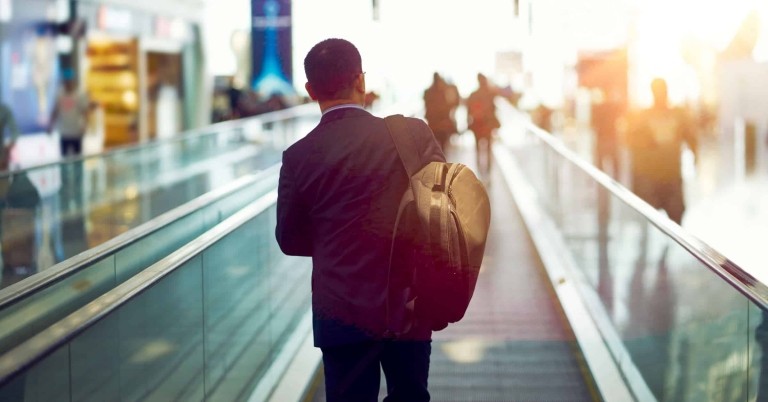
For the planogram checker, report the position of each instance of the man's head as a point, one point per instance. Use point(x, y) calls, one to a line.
point(334, 71)
point(437, 79)
point(659, 89)
point(482, 81)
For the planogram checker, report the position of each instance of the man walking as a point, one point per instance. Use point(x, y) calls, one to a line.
point(440, 102)
point(338, 197)
point(482, 120)
point(70, 116)
point(655, 139)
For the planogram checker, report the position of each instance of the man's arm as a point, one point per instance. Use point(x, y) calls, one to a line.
point(292, 231)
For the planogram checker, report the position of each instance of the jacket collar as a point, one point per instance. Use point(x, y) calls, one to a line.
point(343, 113)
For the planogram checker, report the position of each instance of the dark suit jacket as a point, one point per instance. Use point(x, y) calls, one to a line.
point(339, 191)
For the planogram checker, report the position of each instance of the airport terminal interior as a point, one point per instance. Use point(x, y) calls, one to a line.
point(142, 143)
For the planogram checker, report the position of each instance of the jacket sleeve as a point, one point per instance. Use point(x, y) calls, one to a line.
point(292, 231)
point(431, 151)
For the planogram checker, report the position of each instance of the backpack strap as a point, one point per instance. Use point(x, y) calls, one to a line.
point(409, 154)
point(406, 145)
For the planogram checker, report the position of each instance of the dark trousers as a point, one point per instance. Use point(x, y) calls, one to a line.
point(352, 371)
point(75, 144)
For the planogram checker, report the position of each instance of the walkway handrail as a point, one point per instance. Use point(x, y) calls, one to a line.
point(73, 265)
point(214, 129)
point(736, 276)
point(47, 341)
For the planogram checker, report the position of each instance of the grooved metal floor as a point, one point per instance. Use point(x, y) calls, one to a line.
point(513, 344)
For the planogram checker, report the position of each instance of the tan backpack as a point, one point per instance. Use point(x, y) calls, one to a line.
point(439, 236)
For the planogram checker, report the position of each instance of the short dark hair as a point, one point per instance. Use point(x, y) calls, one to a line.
point(331, 67)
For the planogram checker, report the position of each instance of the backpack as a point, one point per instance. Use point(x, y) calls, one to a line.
point(439, 235)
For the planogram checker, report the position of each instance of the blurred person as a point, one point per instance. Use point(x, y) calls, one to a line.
point(18, 229)
point(275, 102)
point(220, 107)
point(542, 117)
point(338, 197)
point(607, 111)
point(655, 140)
point(9, 132)
point(70, 117)
point(482, 120)
point(234, 94)
point(440, 102)
point(370, 98)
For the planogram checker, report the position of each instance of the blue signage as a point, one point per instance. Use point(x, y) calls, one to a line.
point(271, 47)
point(29, 65)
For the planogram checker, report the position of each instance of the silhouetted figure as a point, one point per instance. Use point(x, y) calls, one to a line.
point(18, 220)
point(70, 117)
point(275, 102)
point(482, 120)
point(605, 117)
point(9, 132)
point(233, 95)
point(542, 117)
point(655, 139)
point(440, 102)
point(338, 195)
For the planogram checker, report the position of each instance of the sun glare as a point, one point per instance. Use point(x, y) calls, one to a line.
point(679, 40)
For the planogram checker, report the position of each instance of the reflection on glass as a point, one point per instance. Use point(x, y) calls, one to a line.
point(19, 220)
point(53, 213)
point(207, 331)
point(686, 331)
point(758, 389)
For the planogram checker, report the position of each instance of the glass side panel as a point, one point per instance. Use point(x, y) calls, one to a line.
point(49, 380)
point(25, 318)
point(681, 332)
point(758, 353)
point(236, 201)
point(95, 363)
point(55, 212)
point(38, 310)
point(161, 339)
point(152, 248)
point(669, 310)
point(238, 307)
point(74, 205)
point(253, 299)
point(207, 331)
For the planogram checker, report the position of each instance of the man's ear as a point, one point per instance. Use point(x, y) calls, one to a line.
point(360, 83)
point(310, 91)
